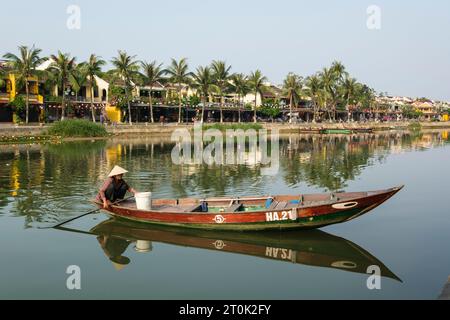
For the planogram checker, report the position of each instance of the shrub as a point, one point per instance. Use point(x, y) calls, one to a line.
point(415, 126)
point(77, 128)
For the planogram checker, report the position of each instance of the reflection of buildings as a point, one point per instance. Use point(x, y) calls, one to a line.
point(312, 248)
point(40, 175)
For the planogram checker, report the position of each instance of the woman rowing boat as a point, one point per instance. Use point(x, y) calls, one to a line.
point(114, 188)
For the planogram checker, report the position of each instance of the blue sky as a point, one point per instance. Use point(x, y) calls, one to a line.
point(409, 55)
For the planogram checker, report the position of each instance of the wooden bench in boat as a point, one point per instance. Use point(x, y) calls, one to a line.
point(282, 205)
point(235, 207)
point(194, 208)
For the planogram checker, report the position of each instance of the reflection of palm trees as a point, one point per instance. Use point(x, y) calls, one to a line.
point(332, 161)
point(313, 248)
point(45, 183)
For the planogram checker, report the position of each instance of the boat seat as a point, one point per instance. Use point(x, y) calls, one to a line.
point(168, 208)
point(280, 205)
point(235, 207)
point(272, 205)
point(194, 208)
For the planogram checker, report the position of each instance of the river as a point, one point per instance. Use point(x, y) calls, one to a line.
point(406, 237)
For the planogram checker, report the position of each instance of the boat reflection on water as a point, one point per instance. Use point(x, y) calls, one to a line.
point(312, 247)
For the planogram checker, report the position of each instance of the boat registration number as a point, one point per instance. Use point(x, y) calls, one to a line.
point(281, 215)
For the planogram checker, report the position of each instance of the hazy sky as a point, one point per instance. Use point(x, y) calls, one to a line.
point(409, 55)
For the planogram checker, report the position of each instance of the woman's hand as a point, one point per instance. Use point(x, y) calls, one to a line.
point(133, 191)
point(105, 204)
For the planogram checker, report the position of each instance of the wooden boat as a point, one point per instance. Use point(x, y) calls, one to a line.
point(312, 247)
point(284, 212)
point(362, 130)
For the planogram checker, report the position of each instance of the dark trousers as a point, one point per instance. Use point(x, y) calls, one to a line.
point(114, 193)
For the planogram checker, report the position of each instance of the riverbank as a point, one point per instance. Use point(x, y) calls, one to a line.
point(18, 133)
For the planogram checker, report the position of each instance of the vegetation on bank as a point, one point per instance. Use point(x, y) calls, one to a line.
point(77, 128)
point(28, 139)
point(233, 126)
point(415, 126)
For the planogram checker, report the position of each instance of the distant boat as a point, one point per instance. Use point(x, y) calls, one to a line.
point(313, 247)
point(346, 131)
point(283, 212)
point(336, 131)
point(362, 130)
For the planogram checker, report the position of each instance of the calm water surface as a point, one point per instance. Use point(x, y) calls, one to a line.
point(407, 237)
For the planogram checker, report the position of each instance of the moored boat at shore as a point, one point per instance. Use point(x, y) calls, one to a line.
point(346, 130)
point(283, 212)
point(336, 131)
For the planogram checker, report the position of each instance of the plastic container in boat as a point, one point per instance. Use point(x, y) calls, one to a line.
point(143, 246)
point(143, 200)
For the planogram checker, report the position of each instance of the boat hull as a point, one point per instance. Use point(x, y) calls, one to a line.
point(311, 216)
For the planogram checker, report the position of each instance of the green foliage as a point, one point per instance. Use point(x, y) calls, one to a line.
point(77, 128)
point(271, 108)
point(293, 88)
point(53, 99)
point(117, 97)
point(410, 112)
point(248, 106)
point(27, 139)
point(416, 126)
point(191, 101)
point(19, 106)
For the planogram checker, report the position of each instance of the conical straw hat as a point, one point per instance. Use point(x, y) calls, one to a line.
point(116, 171)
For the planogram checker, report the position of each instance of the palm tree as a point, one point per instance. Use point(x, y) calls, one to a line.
point(179, 74)
point(340, 74)
point(313, 87)
point(63, 66)
point(293, 87)
point(256, 82)
point(328, 83)
point(350, 91)
point(240, 86)
point(203, 81)
point(78, 79)
point(339, 69)
point(365, 97)
point(153, 73)
point(126, 67)
point(24, 67)
point(93, 68)
point(221, 75)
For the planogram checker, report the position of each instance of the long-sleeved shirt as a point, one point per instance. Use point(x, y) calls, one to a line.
point(101, 195)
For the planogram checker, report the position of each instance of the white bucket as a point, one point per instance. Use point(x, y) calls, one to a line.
point(143, 200)
point(143, 246)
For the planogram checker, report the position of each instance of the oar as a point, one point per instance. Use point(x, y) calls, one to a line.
point(85, 214)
